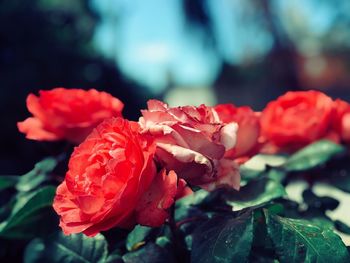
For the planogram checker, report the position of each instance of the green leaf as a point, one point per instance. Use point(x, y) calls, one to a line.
point(163, 241)
point(8, 181)
point(137, 237)
point(297, 240)
point(115, 258)
point(194, 199)
point(257, 165)
point(256, 192)
point(223, 239)
point(313, 155)
point(35, 177)
point(262, 243)
point(25, 211)
point(150, 253)
point(34, 252)
point(188, 206)
point(249, 174)
point(276, 174)
point(76, 248)
point(258, 258)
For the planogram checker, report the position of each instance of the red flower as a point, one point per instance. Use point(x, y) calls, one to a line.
point(341, 121)
point(68, 114)
point(112, 181)
point(191, 141)
point(248, 128)
point(297, 119)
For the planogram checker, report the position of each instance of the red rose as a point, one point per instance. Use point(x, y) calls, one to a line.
point(68, 114)
point(341, 121)
point(297, 119)
point(248, 128)
point(191, 141)
point(112, 181)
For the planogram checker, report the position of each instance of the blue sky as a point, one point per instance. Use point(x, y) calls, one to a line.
point(150, 41)
point(148, 38)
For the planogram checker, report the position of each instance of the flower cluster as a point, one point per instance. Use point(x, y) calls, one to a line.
point(124, 172)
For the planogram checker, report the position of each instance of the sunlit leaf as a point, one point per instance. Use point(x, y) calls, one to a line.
point(256, 192)
point(313, 155)
point(137, 237)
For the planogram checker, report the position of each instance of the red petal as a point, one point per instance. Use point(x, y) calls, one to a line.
point(33, 129)
point(152, 209)
point(182, 189)
point(227, 176)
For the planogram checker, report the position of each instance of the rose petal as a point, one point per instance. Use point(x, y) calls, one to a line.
point(198, 141)
point(152, 209)
point(190, 140)
point(227, 176)
point(182, 189)
point(71, 218)
point(345, 129)
point(33, 129)
point(34, 107)
point(228, 135)
point(184, 155)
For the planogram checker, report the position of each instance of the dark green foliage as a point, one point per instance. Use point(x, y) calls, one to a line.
point(150, 253)
point(28, 217)
point(256, 224)
point(321, 203)
point(37, 176)
point(297, 240)
point(76, 248)
point(341, 180)
point(223, 239)
point(8, 181)
point(342, 227)
point(29, 213)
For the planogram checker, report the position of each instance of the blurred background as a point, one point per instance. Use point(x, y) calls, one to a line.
point(246, 52)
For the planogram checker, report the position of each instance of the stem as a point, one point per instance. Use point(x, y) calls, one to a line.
point(179, 249)
point(172, 223)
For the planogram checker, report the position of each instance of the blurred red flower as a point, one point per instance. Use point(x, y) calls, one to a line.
point(297, 118)
point(342, 120)
point(67, 114)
